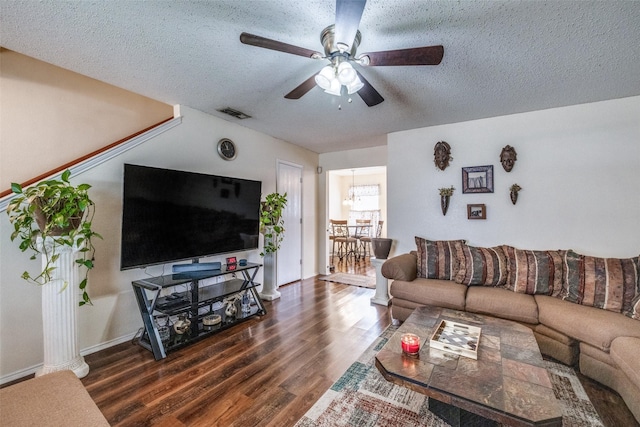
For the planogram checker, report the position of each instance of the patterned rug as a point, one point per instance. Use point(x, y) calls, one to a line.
point(362, 397)
point(351, 279)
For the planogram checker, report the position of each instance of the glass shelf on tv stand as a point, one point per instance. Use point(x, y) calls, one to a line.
point(193, 303)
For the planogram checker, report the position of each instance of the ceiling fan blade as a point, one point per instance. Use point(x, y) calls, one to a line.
point(253, 40)
point(348, 15)
point(369, 95)
point(301, 90)
point(427, 55)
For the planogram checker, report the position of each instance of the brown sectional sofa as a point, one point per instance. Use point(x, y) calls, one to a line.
point(606, 344)
point(55, 399)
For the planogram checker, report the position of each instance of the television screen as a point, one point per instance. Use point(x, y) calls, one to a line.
point(171, 215)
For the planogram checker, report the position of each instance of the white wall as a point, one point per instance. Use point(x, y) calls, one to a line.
point(52, 116)
point(579, 168)
point(190, 146)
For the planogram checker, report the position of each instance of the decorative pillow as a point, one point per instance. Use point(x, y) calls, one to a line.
point(482, 266)
point(438, 259)
point(634, 308)
point(608, 283)
point(534, 272)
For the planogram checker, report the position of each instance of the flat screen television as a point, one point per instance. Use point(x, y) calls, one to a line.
point(171, 215)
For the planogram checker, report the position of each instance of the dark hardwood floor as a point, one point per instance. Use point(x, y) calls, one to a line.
point(264, 372)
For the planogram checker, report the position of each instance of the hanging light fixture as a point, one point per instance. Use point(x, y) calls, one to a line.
point(348, 201)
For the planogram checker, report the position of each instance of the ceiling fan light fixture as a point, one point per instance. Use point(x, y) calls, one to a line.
point(355, 86)
point(346, 74)
point(335, 88)
point(325, 77)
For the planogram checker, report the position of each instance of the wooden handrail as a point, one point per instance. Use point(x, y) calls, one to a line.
point(83, 158)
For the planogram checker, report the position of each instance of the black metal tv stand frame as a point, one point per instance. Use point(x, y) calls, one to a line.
point(193, 303)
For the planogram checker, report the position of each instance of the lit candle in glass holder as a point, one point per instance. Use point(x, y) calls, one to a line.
point(410, 344)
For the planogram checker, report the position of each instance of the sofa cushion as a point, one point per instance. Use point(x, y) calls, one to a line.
point(502, 303)
point(401, 267)
point(625, 351)
point(481, 266)
point(441, 293)
point(591, 325)
point(438, 259)
point(55, 399)
point(608, 283)
point(534, 272)
point(554, 335)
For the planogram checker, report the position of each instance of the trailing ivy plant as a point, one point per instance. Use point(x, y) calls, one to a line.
point(271, 221)
point(56, 209)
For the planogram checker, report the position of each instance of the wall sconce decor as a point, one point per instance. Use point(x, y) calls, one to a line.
point(445, 196)
point(477, 179)
point(513, 193)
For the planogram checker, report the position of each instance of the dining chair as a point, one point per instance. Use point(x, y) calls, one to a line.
point(362, 231)
point(346, 244)
point(366, 240)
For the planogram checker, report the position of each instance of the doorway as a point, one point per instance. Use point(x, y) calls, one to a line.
point(347, 191)
point(289, 258)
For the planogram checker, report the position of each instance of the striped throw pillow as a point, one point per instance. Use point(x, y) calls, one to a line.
point(608, 283)
point(534, 272)
point(634, 307)
point(482, 266)
point(438, 259)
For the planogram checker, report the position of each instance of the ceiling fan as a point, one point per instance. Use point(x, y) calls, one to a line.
point(340, 42)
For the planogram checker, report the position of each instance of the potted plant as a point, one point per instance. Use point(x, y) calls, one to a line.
point(54, 208)
point(445, 196)
point(271, 222)
point(513, 193)
point(272, 227)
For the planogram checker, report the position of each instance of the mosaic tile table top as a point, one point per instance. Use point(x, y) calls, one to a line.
point(508, 383)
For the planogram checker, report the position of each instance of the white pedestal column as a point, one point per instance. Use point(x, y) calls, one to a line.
point(269, 287)
point(59, 314)
point(382, 296)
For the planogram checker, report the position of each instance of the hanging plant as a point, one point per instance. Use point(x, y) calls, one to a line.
point(447, 191)
point(513, 193)
point(271, 221)
point(56, 209)
point(445, 196)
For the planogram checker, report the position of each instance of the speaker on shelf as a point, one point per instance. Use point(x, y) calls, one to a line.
point(203, 266)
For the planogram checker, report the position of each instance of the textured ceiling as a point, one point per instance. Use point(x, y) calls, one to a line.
point(500, 57)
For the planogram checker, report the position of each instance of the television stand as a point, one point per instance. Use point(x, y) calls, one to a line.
point(194, 304)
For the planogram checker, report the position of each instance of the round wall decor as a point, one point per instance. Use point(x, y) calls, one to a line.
point(227, 149)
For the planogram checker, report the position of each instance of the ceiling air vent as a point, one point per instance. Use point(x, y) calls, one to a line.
point(235, 113)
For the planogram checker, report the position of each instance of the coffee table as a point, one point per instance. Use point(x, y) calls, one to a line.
point(508, 384)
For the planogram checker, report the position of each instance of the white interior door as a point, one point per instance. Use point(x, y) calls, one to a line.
point(289, 258)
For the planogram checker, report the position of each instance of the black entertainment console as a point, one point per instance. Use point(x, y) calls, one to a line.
point(203, 306)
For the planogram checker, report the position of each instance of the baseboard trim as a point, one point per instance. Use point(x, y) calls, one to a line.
point(31, 370)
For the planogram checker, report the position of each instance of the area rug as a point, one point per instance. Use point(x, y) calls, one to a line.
point(351, 279)
point(362, 397)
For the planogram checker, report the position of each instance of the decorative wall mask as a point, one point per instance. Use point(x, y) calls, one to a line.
point(508, 157)
point(442, 155)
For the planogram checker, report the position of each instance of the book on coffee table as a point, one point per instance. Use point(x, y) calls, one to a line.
point(457, 338)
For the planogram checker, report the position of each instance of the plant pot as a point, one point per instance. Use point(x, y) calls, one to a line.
point(514, 197)
point(444, 204)
point(381, 247)
point(41, 220)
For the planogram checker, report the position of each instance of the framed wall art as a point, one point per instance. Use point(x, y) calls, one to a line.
point(476, 211)
point(477, 179)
